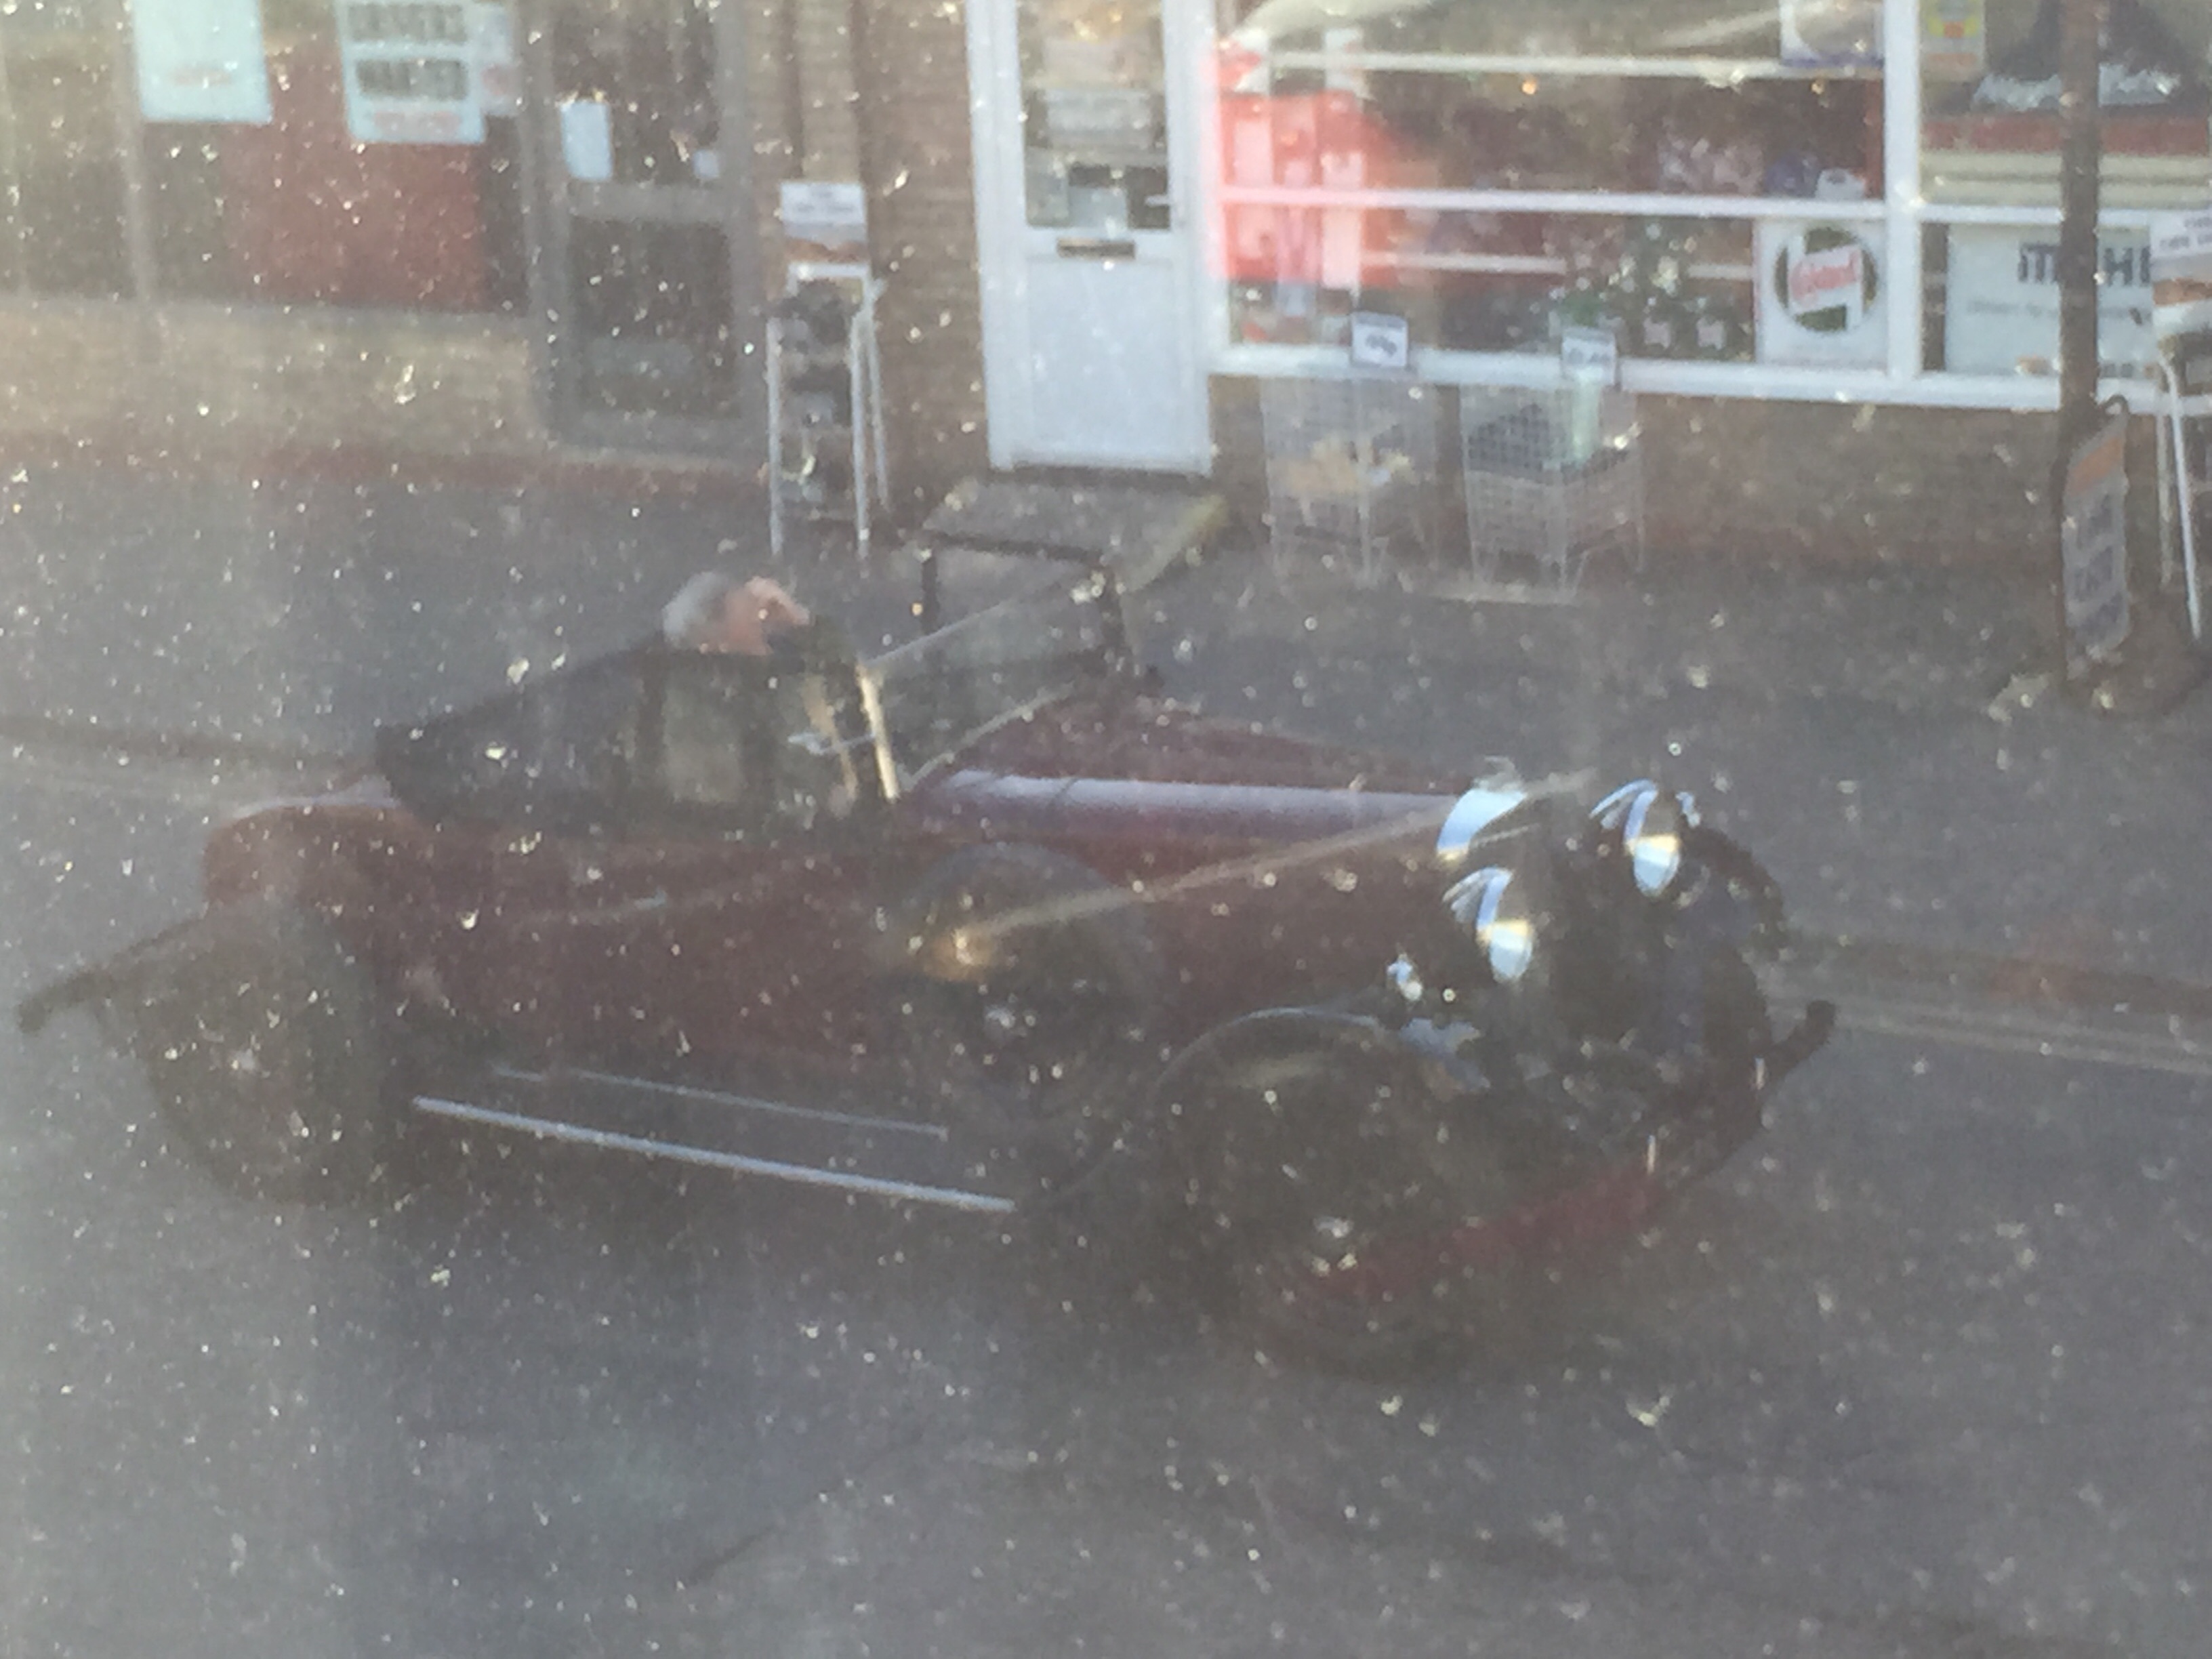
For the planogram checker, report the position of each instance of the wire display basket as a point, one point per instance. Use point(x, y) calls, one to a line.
point(1552, 479)
point(1351, 465)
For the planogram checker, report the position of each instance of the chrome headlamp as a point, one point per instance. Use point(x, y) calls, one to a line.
point(1650, 824)
point(1472, 814)
point(1496, 910)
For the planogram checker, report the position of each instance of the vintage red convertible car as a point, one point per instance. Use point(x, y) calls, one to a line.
point(983, 922)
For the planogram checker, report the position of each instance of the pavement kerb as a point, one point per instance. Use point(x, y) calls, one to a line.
point(561, 467)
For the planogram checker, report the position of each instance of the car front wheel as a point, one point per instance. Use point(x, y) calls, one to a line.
point(1330, 1200)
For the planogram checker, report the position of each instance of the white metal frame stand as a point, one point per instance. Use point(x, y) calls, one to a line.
point(2184, 490)
point(870, 462)
point(1551, 477)
point(1352, 463)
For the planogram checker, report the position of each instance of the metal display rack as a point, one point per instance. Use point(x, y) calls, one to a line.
point(1552, 477)
point(827, 455)
point(1350, 467)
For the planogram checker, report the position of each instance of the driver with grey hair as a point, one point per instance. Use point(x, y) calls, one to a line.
point(715, 612)
point(703, 751)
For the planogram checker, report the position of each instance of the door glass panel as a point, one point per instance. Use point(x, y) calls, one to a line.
point(634, 81)
point(653, 307)
point(1094, 115)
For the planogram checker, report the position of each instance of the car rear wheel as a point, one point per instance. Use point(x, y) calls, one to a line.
point(262, 1048)
point(1026, 1005)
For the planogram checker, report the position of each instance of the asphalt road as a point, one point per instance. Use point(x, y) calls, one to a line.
point(1922, 1374)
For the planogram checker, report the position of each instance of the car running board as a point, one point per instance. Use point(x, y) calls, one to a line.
point(893, 1158)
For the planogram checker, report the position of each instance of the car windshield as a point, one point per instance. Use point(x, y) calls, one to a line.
point(1049, 639)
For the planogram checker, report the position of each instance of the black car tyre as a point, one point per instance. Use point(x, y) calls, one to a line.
point(1045, 1033)
point(1320, 1189)
point(262, 1046)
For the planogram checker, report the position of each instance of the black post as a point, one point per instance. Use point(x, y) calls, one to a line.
point(2081, 28)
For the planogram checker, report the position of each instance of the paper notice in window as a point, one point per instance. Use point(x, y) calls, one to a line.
point(587, 141)
point(2181, 272)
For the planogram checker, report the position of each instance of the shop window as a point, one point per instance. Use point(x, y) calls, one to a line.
point(1990, 141)
point(653, 308)
point(297, 212)
point(1460, 166)
point(1094, 116)
point(68, 185)
point(1717, 184)
point(636, 87)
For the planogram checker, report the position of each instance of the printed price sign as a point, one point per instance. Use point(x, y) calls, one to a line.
point(828, 214)
point(410, 71)
point(1590, 353)
point(1380, 341)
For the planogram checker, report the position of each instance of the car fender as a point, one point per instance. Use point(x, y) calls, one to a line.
point(1748, 879)
point(130, 977)
point(1431, 1087)
point(1257, 1040)
point(284, 851)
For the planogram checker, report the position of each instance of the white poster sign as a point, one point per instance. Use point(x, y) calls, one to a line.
point(587, 140)
point(1819, 288)
point(1590, 354)
point(2181, 273)
point(830, 215)
point(410, 71)
point(2001, 314)
point(200, 60)
point(2093, 538)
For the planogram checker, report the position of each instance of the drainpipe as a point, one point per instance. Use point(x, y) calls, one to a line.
point(2082, 28)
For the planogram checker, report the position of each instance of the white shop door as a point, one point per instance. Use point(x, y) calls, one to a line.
point(1091, 346)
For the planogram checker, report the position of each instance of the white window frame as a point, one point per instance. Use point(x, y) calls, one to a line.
point(1900, 209)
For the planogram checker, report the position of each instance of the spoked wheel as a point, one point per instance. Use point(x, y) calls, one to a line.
point(261, 1047)
point(1336, 1208)
point(1045, 1067)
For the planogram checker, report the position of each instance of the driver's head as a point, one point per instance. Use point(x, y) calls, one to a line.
point(714, 611)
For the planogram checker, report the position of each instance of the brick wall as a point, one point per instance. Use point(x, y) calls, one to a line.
point(802, 104)
point(913, 86)
point(69, 366)
point(179, 380)
point(1826, 480)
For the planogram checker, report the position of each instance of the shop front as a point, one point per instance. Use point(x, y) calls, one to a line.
point(1820, 232)
point(1830, 223)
